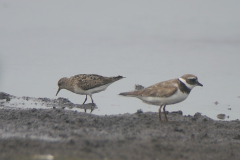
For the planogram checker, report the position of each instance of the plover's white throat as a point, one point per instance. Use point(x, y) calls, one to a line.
point(167, 92)
point(86, 84)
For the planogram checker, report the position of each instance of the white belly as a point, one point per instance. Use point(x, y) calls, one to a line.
point(78, 90)
point(176, 98)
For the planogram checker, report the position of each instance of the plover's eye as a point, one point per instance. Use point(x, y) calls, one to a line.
point(192, 80)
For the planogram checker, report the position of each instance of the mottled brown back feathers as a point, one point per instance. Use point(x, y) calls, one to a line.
point(89, 81)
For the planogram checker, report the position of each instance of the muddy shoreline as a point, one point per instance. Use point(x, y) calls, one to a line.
point(65, 134)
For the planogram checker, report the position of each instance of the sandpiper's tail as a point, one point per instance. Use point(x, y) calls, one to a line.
point(117, 78)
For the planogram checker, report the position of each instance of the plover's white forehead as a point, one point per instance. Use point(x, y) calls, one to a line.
point(192, 78)
point(189, 76)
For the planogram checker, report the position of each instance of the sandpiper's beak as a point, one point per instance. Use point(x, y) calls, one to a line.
point(199, 84)
point(58, 91)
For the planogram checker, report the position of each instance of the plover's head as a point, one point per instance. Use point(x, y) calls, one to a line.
point(190, 81)
point(61, 84)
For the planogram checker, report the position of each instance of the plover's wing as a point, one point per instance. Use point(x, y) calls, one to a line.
point(154, 92)
point(159, 92)
point(162, 89)
point(89, 81)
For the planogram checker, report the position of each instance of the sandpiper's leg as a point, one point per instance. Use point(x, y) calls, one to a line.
point(92, 110)
point(159, 113)
point(92, 107)
point(85, 99)
point(165, 113)
point(84, 102)
point(91, 98)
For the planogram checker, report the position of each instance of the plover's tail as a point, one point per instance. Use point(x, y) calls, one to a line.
point(128, 94)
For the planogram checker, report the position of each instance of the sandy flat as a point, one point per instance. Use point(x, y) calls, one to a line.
point(66, 134)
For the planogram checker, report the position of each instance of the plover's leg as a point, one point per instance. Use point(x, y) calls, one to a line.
point(85, 99)
point(91, 98)
point(165, 113)
point(159, 113)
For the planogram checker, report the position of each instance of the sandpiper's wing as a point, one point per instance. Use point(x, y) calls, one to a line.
point(89, 81)
point(162, 89)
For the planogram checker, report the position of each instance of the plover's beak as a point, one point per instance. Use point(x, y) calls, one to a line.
point(58, 91)
point(199, 84)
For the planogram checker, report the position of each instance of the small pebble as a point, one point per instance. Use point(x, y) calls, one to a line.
point(43, 157)
point(221, 116)
point(139, 111)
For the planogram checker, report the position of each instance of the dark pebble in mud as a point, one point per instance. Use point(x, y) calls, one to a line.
point(221, 116)
point(5, 96)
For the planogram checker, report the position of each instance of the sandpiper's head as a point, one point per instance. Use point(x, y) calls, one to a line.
point(190, 81)
point(61, 84)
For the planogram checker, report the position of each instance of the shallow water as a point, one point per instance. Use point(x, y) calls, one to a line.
point(145, 42)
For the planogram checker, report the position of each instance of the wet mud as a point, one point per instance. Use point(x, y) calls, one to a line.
point(68, 134)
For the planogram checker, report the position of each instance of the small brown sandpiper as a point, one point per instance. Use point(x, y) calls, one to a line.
point(86, 84)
